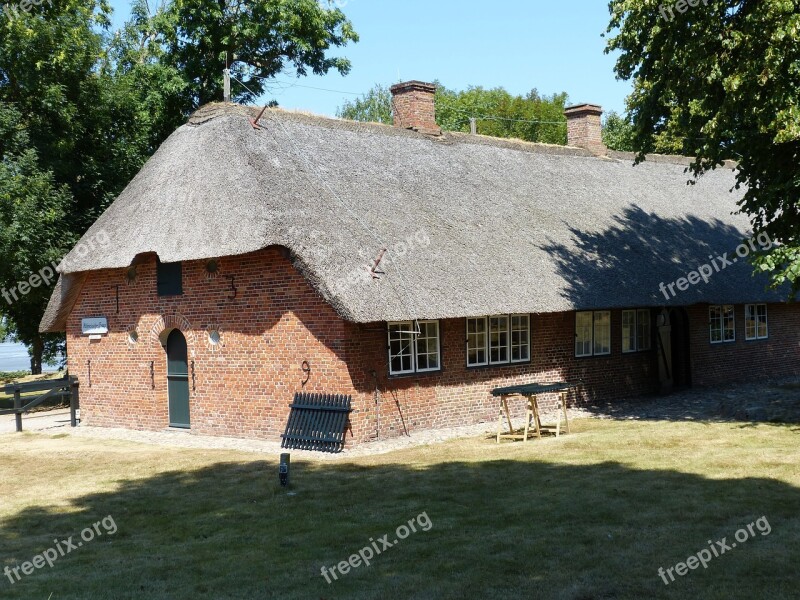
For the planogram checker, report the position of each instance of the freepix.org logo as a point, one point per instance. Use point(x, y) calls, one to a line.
point(48, 274)
point(720, 263)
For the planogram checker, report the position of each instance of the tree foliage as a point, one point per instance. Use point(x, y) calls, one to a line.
point(257, 39)
point(723, 78)
point(498, 113)
point(33, 235)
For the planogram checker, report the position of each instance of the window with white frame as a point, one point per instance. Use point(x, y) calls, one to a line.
point(721, 323)
point(592, 333)
point(636, 330)
point(755, 322)
point(497, 340)
point(477, 342)
point(520, 338)
point(412, 351)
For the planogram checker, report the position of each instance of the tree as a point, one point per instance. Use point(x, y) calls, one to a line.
point(618, 133)
point(373, 107)
point(257, 39)
point(498, 113)
point(33, 235)
point(722, 77)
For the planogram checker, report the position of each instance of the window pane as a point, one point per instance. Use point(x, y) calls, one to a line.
point(498, 339)
point(715, 323)
point(428, 346)
point(602, 332)
point(476, 341)
point(401, 351)
point(750, 327)
point(761, 313)
point(628, 330)
point(729, 329)
point(643, 329)
point(520, 342)
point(583, 334)
point(169, 279)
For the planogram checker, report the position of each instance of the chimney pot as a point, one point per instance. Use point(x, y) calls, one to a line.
point(584, 129)
point(414, 106)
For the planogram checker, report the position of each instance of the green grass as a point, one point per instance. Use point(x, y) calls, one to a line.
point(9, 376)
point(592, 515)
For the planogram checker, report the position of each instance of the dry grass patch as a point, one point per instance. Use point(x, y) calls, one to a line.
point(592, 515)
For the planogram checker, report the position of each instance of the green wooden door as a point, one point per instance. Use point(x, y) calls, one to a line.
point(178, 380)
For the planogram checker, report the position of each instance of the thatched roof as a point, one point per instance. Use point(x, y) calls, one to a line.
point(510, 226)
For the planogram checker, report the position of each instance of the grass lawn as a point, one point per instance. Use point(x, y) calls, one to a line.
point(592, 515)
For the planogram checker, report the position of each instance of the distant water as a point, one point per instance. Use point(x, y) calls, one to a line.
point(14, 357)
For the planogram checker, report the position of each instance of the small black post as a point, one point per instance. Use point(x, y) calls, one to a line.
point(283, 470)
point(74, 403)
point(18, 409)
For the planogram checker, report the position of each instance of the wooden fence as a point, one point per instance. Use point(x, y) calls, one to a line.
point(51, 388)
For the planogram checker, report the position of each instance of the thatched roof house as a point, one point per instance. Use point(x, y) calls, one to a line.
point(412, 269)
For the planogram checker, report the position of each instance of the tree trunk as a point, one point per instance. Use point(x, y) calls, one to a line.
point(37, 347)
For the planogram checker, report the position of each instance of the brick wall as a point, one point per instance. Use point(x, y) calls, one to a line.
point(276, 321)
point(461, 395)
point(244, 385)
point(743, 360)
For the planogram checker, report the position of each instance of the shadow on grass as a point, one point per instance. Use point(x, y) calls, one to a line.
point(501, 529)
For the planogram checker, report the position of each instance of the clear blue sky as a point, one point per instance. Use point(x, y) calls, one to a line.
point(553, 46)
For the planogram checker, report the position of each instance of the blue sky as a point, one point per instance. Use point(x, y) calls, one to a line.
point(552, 46)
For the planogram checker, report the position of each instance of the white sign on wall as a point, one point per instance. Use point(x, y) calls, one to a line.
point(94, 326)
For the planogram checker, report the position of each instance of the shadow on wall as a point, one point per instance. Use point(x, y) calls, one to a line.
point(624, 265)
point(499, 530)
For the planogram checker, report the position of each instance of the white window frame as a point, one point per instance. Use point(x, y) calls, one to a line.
point(722, 320)
point(413, 338)
point(594, 337)
point(509, 346)
point(526, 345)
point(579, 328)
point(755, 317)
point(641, 323)
point(438, 339)
point(472, 339)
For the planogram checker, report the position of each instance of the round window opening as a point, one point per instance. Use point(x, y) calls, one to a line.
point(214, 338)
point(212, 267)
point(130, 276)
point(133, 337)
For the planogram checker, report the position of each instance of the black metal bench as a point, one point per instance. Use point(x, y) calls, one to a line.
point(317, 422)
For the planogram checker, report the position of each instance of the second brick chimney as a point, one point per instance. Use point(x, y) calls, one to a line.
point(414, 107)
point(584, 129)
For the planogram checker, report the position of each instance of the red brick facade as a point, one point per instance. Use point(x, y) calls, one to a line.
point(271, 321)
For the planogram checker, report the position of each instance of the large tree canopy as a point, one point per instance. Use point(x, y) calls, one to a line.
point(723, 76)
point(257, 39)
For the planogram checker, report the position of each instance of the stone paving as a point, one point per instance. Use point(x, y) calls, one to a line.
point(776, 401)
point(771, 401)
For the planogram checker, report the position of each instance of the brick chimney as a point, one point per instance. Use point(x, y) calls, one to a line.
point(584, 129)
point(414, 107)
